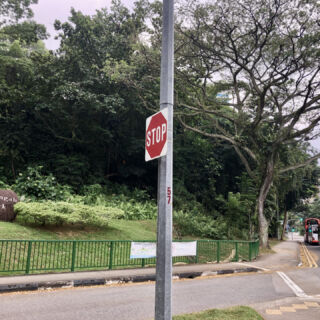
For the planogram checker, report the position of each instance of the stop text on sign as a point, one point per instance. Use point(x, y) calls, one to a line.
point(156, 135)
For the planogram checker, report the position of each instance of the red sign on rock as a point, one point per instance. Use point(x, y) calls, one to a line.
point(156, 135)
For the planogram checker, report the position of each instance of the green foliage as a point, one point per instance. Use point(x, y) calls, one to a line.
point(199, 225)
point(134, 205)
point(135, 210)
point(33, 184)
point(27, 32)
point(81, 112)
point(71, 169)
point(3, 180)
point(92, 193)
point(15, 10)
point(52, 213)
point(238, 216)
point(234, 313)
point(185, 200)
point(311, 210)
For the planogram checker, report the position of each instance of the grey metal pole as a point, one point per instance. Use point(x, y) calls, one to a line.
point(163, 296)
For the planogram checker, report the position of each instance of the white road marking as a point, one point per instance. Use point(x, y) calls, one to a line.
point(295, 288)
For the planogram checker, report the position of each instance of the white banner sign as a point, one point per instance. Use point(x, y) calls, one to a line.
point(183, 249)
point(142, 250)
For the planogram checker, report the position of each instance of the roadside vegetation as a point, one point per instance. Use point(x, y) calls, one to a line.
point(47, 205)
point(72, 120)
point(235, 313)
point(116, 230)
point(51, 211)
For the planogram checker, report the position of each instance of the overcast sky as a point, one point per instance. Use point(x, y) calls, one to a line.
point(47, 11)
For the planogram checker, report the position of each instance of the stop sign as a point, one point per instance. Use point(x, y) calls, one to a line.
point(156, 135)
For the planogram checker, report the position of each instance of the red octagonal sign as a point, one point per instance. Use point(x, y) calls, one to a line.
point(156, 135)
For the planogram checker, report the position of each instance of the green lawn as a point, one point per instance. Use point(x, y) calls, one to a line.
point(235, 313)
point(117, 230)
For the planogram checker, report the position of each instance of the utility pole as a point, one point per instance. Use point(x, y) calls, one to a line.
point(163, 296)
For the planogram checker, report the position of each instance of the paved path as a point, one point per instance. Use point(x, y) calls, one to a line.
point(287, 256)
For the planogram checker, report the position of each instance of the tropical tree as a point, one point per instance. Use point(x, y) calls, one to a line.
point(264, 56)
point(294, 187)
point(27, 32)
point(13, 10)
point(86, 116)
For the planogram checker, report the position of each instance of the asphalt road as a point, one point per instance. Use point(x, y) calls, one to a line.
point(315, 249)
point(283, 286)
point(136, 302)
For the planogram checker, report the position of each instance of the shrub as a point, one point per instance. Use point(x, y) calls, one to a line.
point(133, 210)
point(135, 204)
point(186, 223)
point(93, 193)
point(63, 213)
point(37, 186)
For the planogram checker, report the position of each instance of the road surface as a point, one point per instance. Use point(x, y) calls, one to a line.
point(315, 249)
point(283, 285)
point(136, 302)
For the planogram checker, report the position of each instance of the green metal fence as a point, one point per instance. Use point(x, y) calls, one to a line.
point(61, 255)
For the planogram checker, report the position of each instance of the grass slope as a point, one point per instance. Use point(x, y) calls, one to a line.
point(117, 230)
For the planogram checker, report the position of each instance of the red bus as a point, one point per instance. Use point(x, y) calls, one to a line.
point(311, 226)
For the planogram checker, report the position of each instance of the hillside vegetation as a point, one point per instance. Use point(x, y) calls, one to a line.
point(116, 230)
point(72, 121)
point(97, 214)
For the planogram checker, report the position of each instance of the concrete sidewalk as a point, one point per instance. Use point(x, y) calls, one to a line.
point(286, 256)
point(89, 278)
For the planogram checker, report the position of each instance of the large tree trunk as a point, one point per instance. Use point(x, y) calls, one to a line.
point(264, 190)
point(285, 220)
point(263, 223)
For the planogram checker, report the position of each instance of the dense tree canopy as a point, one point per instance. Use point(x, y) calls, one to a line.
point(247, 99)
point(13, 10)
point(265, 57)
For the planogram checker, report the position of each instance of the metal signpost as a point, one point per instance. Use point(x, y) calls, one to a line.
point(154, 134)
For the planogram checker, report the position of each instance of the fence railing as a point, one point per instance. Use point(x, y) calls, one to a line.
point(61, 255)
